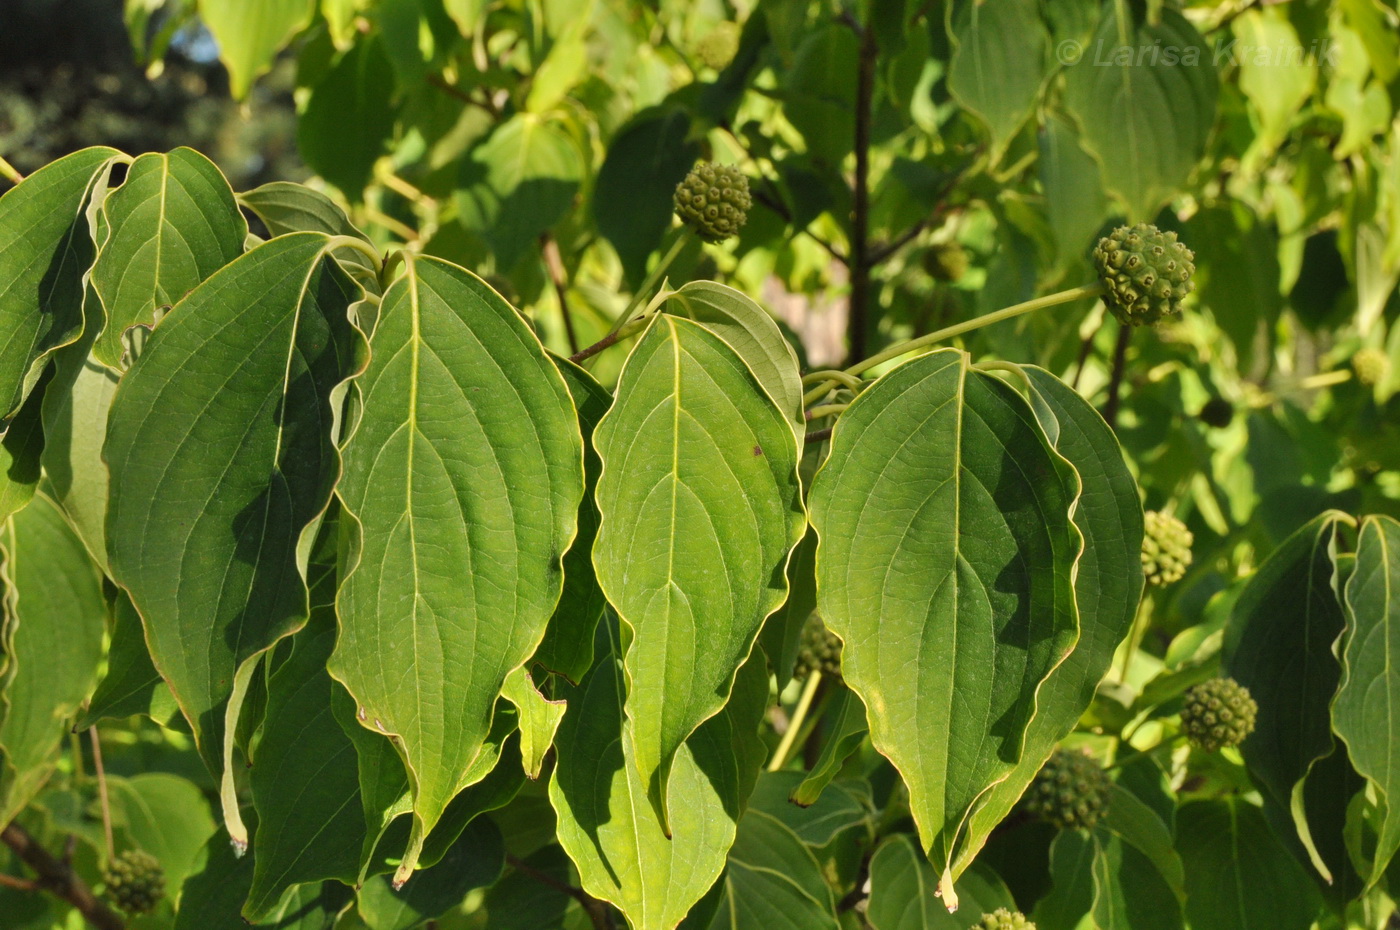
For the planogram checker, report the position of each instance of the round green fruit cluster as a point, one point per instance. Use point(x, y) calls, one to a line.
point(718, 48)
point(946, 261)
point(1218, 713)
point(714, 201)
point(135, 881)
point(1147, 273)
point(1070, 791)
point(1003, 919)
point(1166, 548)
point(819, 651)
point(1371, 366)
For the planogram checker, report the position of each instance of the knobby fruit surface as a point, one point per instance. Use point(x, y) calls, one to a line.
point(135, 881)
point(1070, 791)
point(1218, 713)
point(1166, 548)
point(1147, 273)
point(714, 201)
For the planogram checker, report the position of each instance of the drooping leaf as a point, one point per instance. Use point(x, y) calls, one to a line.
point(463, 480)
point(131, 684)
point(903, 891)
point(956, 602)
point(1366, 709)
point(221, 449)
point(357, 91)
point(1108, 583)
point(771, 879)
point(846, 731)
point(54, 619)
point(691, 441)
point(608, 825)
point(1146, 116)
point(1130, 820)
point(519, 183)
point(45, 250)
point(748, 329)
point(305, 784)
point(171, 224)
point(998, 63)
point(539, 719)
point(474, 861)
point(250, 33)
point(567, 648)
point(1071, 895)
point(1279, 645)
point(1237, 875)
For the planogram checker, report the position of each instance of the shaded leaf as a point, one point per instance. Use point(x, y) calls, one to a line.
point(846, 729)
point(355, 92)
point(998, 63)
point(165, 815)
point(772, 880)
point(903, 891)
point(131, 684)
point(474, 861)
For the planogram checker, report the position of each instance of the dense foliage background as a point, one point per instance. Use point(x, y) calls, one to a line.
point(913, 165)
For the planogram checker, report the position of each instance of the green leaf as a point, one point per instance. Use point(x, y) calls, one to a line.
point(356, 91)
point(221, 448)
point(1238, 877)
point(474, 861)
point(1128, 889)
point(306, 785)
point(903, 891)
point(212, 897)
point(608, 825)
point(1071, 895)
point(1279, 645)
point(632, 200)
point(1075, 202)
point(462, 483)
point(998, 63)
point(518, 183)
point(171, 224)
point(539, 719)
point(1366, 709)
point(1107, 583)
point(1238, 276)
point(846, 731)
point(1132, 821)
point(54, 622)
point(21, 451)
point(567, 648)
point(131, 684)
point(820, 91)
point(165, 815)
point(1144, 95)
point(817, 824)
point(690, 441)
point(956, 603)
point(251, 32)
point(285, 207)
point(751, 332)
point(45, 250)
point(773, 880)
point(781, 636)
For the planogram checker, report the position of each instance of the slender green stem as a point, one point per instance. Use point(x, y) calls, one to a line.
point(948, 332)
point(611, 338)
point(834, 374)
point(651, 280)
point(1143, 753)
point(8, 170)
point(799, 713)
point(825, 410)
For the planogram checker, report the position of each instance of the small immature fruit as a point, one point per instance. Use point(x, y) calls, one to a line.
point(135, 881)
point(1371, 366)
point(946, 262)
point(718, 48)
point(1002, 919)
point(1147, 273)
point(820, 650)
point(1218, 713)
point(1166, 548)
point(714, 201)
point(1217, 412)
point(1071, 791)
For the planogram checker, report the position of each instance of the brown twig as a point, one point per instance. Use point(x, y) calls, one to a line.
point(102, 792)
point(559, 277)
point(488, 105)
point(597, 347)
point(817, 435)
point(859, 312)
point(59, 879)
point(1120, 356)
point(596, 910)
point(774, 203)
point(19, 884)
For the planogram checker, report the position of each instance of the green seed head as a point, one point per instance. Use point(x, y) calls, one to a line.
point(1002, 919)
point(135, 881)
point(1218, 713)
point(718, 48)
point(1071, 791)
point(1166, 548)
point(714, 201)
point(820, 650)
point(1371, 366)
point(1147, 273)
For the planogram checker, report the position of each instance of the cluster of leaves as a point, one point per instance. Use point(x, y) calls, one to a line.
point(451, 627)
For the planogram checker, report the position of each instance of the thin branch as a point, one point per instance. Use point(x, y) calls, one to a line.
point(772, 202)
point(1115, 384)
point(19, 884)
point(102, 792)
point(558, 276)
point(59, 879)
point(817, 435)
point(488, 104)
point(859, 307)
point(596, 910)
